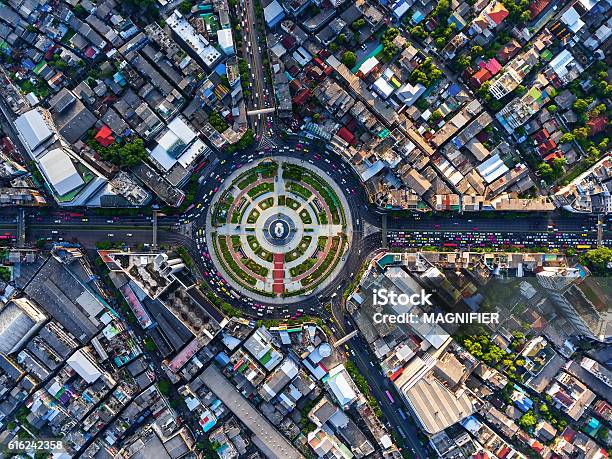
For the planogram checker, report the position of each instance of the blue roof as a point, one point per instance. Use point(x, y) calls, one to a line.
point(220, 69)
point(222, 358)
point(454, 89)
point(417, 17)
point(28, 64)
point(458, 21)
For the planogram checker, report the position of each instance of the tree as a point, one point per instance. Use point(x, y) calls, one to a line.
point(567, 138)
point(557, 165)
point(185, 7)
point(436, 115)
point(358, 24)
point(598, 110)
point(464, 61)
point(128, 154)
point(552, 108)
point(545, 171)
point(333, 47)
point(164, 386)
point(525, 16)
point(418, 32)
point(580, 105)
point(528, 420)
point(349, 59)
point(582, 132)
point(599, 260)
point(217, 122)
point(476, 50)
point(520, 90)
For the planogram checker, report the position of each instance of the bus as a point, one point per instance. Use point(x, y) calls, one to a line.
point(388, 394)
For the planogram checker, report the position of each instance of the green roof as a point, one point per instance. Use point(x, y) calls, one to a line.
point(546, 55)
point(39, 67)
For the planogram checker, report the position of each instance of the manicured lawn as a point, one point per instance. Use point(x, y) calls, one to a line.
point(261, 189)
point(233, 268)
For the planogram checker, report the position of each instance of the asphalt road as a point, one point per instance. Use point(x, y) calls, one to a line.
point(252, 50)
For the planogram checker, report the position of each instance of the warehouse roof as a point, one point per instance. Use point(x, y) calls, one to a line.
point(60, 171)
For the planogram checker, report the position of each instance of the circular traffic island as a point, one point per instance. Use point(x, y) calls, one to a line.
point(278, 230)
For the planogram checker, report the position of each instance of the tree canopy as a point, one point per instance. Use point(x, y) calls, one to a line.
point(128, 154)
point(349, 59)
point(599, 261)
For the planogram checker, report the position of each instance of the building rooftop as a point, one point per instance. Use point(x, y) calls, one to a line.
point(33, 128)
point(58, 168)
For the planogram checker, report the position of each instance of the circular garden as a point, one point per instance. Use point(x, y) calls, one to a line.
point(278, 228)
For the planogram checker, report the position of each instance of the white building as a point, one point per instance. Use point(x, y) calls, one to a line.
point(492, 169)
point(71, 180)
point(84, 366)
point(178, 144)
point(207, 53)
point(226, 41)
point(409, 94)
point(60, 172)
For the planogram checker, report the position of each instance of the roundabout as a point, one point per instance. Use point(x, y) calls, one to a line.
point(278, 230)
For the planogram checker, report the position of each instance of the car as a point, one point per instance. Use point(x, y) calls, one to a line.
point(129, 234)
point(111, 235)
point(54, 232)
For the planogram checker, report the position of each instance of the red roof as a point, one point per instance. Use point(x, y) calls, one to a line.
point(493, 66)
point(90, 52)
point(347, 135)
point(569, 434)
point(546, 146)
point(302, 97)
point(105, 136)
point(598, 124)
point(288, 41)
point(537, 6)
point(499, 14)
point(480, 77)
point(554, 155)
point(541, 136)
point(537, 446)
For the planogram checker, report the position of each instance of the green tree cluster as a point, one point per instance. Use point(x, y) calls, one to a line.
point(389, 49)
point(436, 115)
point(358, 24)
point(599, 261)
point(349, 59)
point(518, 10)
point(581, 105)
point(528, 420)
point(185, 6)
point(418, 32)
point(217, 122)
point(552, 171)
point(126, 154)
point(426, 73)
point(247, 139)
